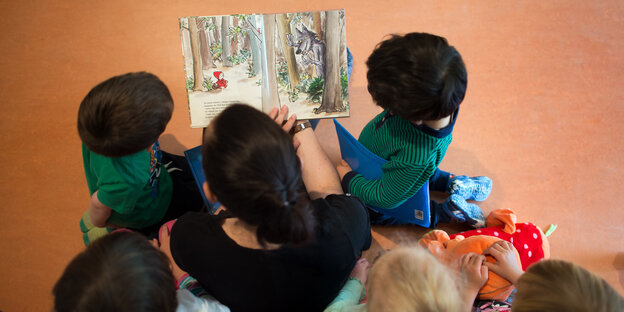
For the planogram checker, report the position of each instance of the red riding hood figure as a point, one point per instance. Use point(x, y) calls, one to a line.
point(221, 83)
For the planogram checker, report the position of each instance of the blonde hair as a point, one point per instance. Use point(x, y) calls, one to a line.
point(555, 285)
point(409, 279)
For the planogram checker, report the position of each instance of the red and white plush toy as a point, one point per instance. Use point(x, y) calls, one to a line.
point(528, 239)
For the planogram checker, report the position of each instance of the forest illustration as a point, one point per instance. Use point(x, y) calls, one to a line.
point(297, 59)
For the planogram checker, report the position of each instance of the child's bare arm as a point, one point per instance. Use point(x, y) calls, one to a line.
point(506, 264)
point(98, 212)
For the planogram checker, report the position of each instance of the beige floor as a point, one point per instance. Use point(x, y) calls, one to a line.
point(542, 116)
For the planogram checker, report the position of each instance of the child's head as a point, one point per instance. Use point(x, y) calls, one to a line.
point(555, 285)
point(118, 272)
point(411, 279)
point(124, 114)
point(252, 168)
point(417, 76)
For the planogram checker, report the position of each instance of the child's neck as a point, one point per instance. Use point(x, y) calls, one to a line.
point(434, 124)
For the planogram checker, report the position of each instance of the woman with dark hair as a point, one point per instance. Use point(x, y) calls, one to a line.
point(288, 238)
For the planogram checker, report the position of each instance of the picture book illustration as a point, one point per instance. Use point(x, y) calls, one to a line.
point(266, 60)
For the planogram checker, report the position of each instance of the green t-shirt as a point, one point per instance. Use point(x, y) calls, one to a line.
point(136, 187)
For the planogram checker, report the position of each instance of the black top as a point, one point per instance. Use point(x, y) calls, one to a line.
point(304, 278)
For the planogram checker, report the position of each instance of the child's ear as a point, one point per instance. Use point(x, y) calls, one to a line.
point(209, 195)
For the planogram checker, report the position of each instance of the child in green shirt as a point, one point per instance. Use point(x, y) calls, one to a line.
point(419, 81)
point(119, 122)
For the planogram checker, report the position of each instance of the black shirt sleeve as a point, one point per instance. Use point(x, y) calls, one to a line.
point(352, 217)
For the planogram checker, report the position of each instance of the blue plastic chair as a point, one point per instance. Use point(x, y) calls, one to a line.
point(414, 210)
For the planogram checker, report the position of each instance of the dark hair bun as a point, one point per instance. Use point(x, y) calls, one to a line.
point(293, 220)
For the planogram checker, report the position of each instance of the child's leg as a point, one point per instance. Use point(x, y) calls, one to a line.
point(89, 231)
point(185, 197)
point(440, 180)
point(456, 208)
point(470, 188)
point(438, 214)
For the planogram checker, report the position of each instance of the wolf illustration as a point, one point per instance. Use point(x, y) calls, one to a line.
point(305, 44)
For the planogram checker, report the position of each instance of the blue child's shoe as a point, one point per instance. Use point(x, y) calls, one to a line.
point(475, 188)
point(463, 212)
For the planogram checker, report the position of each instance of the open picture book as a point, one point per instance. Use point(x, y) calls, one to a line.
point(266, 60)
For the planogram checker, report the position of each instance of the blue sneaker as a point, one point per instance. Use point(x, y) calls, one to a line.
point(464, 212)
point(475, 188)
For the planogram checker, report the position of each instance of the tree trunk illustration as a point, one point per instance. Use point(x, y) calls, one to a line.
point(255, 45)
point(270, 96)
point(186, 42)
point(332, 94)
point(234, 36)
point(283, 22)
point(226, 41)
point(247, 41)
point(247, 47)
point(343, 45)
point(215, 32)
point(317, 24)
point(198, 74)
point(206, 54)
point(210, 33)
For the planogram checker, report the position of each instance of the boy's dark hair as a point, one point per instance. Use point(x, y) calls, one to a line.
point(118, 272)
point(417, 76)
point(252, 168)
point(124, 114)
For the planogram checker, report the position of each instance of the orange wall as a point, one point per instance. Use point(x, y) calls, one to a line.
point(542, 117)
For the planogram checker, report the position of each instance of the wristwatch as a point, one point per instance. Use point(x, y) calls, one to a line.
point(299, 126)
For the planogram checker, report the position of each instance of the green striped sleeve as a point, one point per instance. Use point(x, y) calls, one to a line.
point(399, 181)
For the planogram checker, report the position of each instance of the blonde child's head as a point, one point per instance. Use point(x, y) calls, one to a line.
point(411, 279)
point(555, 285)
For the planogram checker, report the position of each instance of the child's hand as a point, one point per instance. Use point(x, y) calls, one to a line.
point(475, 273)
point(506, 264)
point(343, 168)
point(278, 115)
point(360, 271)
